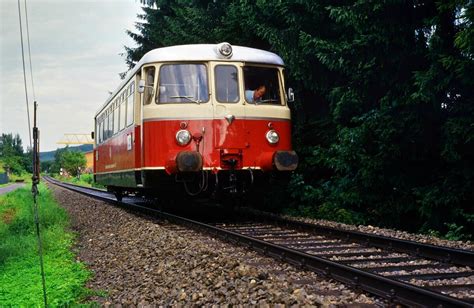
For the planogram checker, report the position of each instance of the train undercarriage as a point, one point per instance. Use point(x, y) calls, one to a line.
point(244, 185)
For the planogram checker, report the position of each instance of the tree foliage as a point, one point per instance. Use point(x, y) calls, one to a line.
point(73, 162)
point(384, 118)
point(12, 156)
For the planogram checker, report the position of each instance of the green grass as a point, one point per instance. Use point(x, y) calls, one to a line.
point(20, 279)
point(86, 180)
point(25, 177)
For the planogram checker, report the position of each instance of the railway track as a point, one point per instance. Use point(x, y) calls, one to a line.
point(403, 272)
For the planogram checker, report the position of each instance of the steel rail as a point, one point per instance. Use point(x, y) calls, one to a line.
point(392, 290)
point(443, 254)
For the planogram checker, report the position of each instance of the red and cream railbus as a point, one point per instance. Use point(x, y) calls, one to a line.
point(197, 118)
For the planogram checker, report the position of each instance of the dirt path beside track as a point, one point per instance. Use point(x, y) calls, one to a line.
point(11, 187)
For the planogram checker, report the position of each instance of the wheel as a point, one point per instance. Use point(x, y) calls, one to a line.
point(118, 195)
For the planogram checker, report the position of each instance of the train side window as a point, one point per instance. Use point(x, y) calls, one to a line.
point(99, 131)
point(97, 126)
point(116, 118)
point(130, 108)
point(106, 127)
point(227, 83)
point(103, 127)
point(106, 131)
point(123, 115)
point(150, 84)
point(111, 125)
point(107, 134)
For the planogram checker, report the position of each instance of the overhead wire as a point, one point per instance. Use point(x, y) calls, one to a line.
point(29, 53)
point(24, 75)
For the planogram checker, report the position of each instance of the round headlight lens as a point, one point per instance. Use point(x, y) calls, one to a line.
point(225, 49)
point(183, 137)
point(272, 136)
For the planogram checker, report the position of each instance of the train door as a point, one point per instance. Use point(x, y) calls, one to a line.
point(148, 74)
point(126, 154)
point(230, 134)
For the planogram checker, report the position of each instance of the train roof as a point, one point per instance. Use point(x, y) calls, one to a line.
point(209, 52)
point(199, 52)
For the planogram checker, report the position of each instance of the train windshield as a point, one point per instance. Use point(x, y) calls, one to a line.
point(261, 85)
point(183, 83)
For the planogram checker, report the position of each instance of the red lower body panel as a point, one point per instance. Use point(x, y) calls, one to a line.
point(242, 140)
point(215, 145)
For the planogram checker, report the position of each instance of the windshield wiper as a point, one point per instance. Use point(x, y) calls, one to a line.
point(189, 98)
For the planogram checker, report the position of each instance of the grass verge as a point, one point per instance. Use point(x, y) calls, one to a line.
point(24, 177)
point(20, 279)
point(86, 180)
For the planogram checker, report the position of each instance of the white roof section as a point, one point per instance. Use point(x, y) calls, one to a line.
point(199, 52)
point(208, 52)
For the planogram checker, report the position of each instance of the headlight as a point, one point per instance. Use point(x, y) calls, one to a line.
point(272, 136)
point(183, 137)
point(225, 49)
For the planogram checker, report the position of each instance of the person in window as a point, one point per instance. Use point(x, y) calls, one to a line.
point(255, 95)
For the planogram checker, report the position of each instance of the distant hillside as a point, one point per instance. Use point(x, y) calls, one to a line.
point(47, 156)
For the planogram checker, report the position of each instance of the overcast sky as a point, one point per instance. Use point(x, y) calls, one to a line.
point(75, 52)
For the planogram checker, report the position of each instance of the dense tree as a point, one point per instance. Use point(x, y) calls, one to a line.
point(70, 161)
point(73, 162)
point(403, 114)
point(11, 153)
point(384, 118)
point(45, 166)
point(10, 145)
point(56, 165)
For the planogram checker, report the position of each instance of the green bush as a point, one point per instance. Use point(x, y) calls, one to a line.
point(456, 232)
point(87, 178)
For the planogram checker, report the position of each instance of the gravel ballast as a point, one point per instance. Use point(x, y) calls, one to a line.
point(140, 261)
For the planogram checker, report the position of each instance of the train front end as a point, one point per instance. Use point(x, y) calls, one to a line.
point(206, 129)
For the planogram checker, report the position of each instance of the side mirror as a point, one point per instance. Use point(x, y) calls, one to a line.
point(92, 135)
point(291, 95)
point(141, 86)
